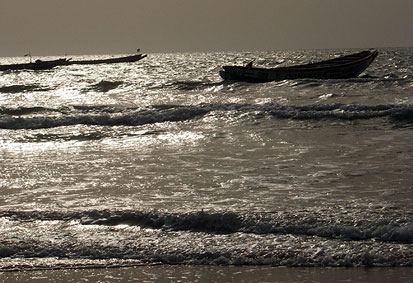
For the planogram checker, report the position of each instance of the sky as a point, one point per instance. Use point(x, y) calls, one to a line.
point(58, 27)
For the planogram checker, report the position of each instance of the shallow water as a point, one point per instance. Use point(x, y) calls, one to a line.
point(159, 161)
point(181, 273)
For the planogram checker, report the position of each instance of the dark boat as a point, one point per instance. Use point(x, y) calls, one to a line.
point(45, 65)
point(126, 59)
point(344, 67)
point(37, 65)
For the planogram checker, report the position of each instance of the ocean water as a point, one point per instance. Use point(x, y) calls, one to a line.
point(161, 162)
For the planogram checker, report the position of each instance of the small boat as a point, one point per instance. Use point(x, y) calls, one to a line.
point(126, 59)
point(37, 65)
point(45, 65)
point(344, 67)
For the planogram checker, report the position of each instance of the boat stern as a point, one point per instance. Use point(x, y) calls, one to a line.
point(223, 74)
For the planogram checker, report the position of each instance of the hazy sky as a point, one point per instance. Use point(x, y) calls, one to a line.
point(56, 27)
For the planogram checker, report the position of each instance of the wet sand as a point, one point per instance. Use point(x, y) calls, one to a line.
point(162, 273)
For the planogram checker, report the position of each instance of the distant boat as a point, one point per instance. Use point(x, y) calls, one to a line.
point(125, 59)
point(344, 67)
point(37, 65)
point(45, 65)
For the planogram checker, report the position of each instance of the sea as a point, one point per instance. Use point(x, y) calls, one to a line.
point(162, 163)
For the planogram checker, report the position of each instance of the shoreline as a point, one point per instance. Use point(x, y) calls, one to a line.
point(183, 273)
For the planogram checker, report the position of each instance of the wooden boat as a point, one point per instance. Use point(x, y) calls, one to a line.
point(344, 67)
point(37, 65)
point(44, 65)
point(126, 59)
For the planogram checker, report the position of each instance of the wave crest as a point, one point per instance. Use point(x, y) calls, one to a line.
point(304, 223)
point(289, 238)
point(105, 118)
point(105, 86)
point(38, 117)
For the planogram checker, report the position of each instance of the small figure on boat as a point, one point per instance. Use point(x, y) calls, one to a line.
point(249, 65)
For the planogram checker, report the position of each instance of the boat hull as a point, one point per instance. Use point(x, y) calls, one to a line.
point(127, 59)
point(38, 65)
point(46, 65)
point(349, 66)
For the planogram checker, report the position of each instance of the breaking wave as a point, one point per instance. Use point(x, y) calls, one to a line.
point(101, 118)
point(116, 238)
point(308, 224)
point(38, 117)
point(323, 224)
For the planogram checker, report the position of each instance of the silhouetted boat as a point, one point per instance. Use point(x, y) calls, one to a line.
point(37, 65)
point(126, 59)
point(344, 67)
point(44, 65)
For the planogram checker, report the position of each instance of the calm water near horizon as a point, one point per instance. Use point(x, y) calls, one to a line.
point(161, 162)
